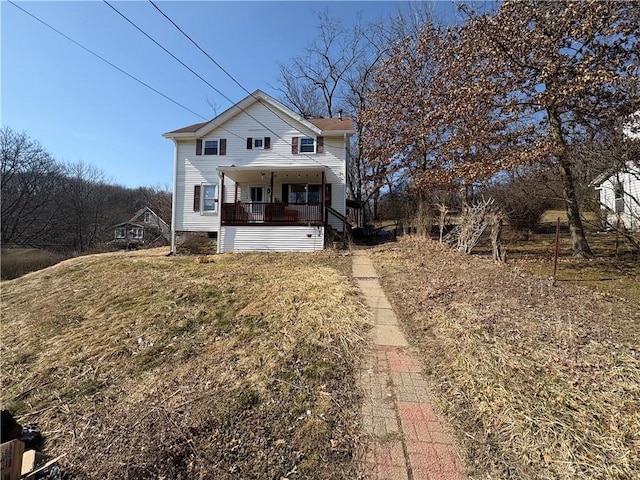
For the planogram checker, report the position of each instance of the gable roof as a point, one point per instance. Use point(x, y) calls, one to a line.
point(145, 209)
point(318, 125)
point(127, 224)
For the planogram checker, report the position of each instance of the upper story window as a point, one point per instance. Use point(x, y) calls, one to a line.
point(258, 143)
point(147, 217)
point(307, 145)
point(211, 146)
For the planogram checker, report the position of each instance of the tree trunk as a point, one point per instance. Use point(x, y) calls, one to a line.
point(496, 233)
point(578, 240)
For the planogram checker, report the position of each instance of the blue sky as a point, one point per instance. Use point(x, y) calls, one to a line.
point(80, 108)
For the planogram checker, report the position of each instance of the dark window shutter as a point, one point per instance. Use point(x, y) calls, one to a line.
point(294, 145)
point(196, 198)
point(319, 144)
point(199, 146)
point(249, 143)
point(267, 142)
point(285, 191)
point(327, 194)
point(223, 146)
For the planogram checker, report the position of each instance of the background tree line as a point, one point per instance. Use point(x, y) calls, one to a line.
point(63, 205)
point(526, 101)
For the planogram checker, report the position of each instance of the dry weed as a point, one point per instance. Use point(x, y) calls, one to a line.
point(541, 382)
point(139, 365)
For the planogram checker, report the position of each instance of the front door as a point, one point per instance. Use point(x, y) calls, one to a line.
point(256, 195)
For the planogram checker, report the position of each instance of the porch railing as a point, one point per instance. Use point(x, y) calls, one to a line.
point(242, 213)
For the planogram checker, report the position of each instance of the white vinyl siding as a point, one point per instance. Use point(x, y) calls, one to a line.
point(200, 170)
point(630, 183)
point(253, 238)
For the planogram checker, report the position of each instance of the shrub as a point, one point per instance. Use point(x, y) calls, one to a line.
point(20, 261)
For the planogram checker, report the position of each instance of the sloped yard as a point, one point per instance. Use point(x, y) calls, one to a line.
point(136, 365)
point(540, 381)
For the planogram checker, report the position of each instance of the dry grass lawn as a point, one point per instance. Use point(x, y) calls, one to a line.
point(539, 381)
point(138, 365)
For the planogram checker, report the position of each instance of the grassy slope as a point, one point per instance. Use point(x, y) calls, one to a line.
point(541, 382)
point(231, 366)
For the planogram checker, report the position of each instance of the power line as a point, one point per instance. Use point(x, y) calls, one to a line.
point(237, 83)
point(105, 60)
point(167, 51)
point(180, 61)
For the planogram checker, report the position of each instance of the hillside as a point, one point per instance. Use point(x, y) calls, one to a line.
point(137, 365)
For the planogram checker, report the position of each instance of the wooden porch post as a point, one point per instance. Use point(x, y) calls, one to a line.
point(271, 189)
point(221, 199)
point(323, 193)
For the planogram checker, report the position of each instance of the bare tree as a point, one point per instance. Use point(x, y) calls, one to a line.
point(83, 204)
point(30, 182)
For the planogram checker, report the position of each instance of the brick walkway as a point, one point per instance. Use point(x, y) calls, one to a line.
point(407, 438)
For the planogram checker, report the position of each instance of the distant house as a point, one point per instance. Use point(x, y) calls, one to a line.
point(259, 177)
point(144, 228)
point(620, 196)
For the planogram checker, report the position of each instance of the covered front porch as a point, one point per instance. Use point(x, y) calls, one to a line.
point(282, 196)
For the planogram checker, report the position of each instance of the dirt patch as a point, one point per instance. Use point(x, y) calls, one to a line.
point(539, 381)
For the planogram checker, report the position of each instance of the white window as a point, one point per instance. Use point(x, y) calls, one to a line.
point(303, 193)
point(208, 198)
point(147, 217)
point(211, 147)
point(121, 232)
point(618, 193)
point(258, 142)
point(138, 233)
point(307, 145)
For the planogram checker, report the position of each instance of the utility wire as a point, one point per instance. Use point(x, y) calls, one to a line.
point(105, 60)
point(181, 62)
point(167, 51)
point(237, 83)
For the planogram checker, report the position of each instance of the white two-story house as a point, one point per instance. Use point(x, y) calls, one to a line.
point(260, 177)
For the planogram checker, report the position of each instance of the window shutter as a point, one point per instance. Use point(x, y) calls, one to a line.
point(267, 143)
point(223, 146)
point(199, 146)
point(327, 194)
point(249, 143)
point(196, 198)
point(319, 144)
point(294, 145)
point(285, 192)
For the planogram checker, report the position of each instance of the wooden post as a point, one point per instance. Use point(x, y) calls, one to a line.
point(271, 189)
point(555, 258)
point(221, 199)
point(322, 199)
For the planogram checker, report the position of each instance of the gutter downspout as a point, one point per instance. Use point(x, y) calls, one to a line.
point(174, 196)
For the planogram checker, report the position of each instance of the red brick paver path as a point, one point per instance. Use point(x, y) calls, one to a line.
point(408, 440)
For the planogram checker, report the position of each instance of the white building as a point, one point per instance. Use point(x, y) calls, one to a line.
point(260, 177)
